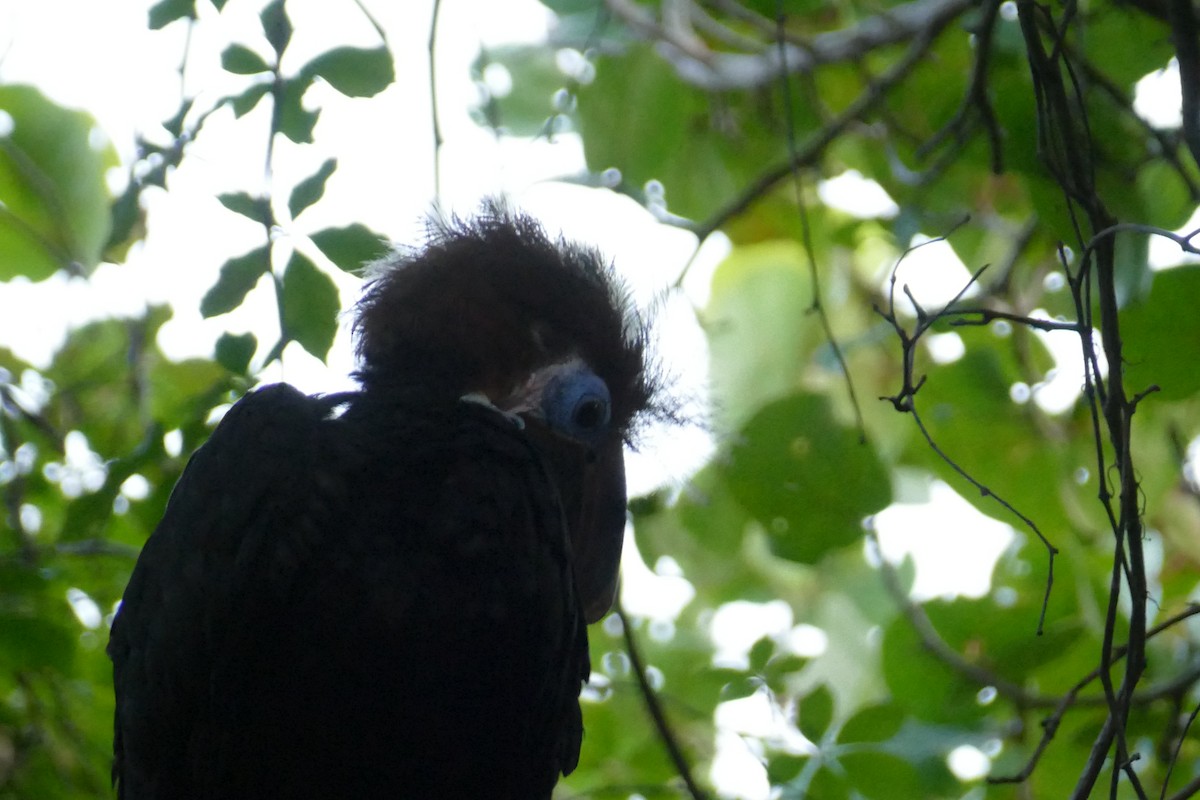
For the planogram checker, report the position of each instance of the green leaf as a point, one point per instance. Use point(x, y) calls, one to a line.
point(876, 723)
point(815, 713)
point(32, 643)
point(311, 189)
point(527, 109)
point(276, 26)
point(780, 668)
point(54, 200)
point(234, 352)
point(180, 388)
point(741, 688)
point(92, 372)
point(620, 753)
point(238, 276)
point(828, 784)
point(174, 124)
point(711, 514)
point(784, 767)
point(649, 124)
point(1112, 28)
point(760, 653)
point(571, 6)
point(760, 333)
point(241, 60)
point(21, 254)
point(310, 306)
point(354, 71)
point(128, 224)
point(807, 479)
point(165, 12)
point(256, 209)
point(294, 120)
point(351, 247)
point(1161, 338)
point(1164, 196)
point(703, 533)
point(245, 102)
point(881, 776)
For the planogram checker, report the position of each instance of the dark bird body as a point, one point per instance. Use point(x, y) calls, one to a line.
point(385, 593)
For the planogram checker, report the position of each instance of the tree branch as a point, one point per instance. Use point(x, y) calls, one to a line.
point(1186, 37)
point(717, 71)
point(654, 708)
point(810, 152)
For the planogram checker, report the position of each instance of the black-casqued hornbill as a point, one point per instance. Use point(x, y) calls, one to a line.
point(384, 593)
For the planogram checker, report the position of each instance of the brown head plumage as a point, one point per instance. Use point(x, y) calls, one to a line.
point(493, 309)
point(490, 300)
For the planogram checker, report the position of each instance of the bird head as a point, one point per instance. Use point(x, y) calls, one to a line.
point(494, 310)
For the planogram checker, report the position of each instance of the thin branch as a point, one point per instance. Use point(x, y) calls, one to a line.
point(808, 154)
point(1051, 550)
point(1167, 142)
point(654, 708)
point(1066, 149)
point(976, 104)
point(988, 315)
point(12, 405)
point(817, 306)
point(1190, 790)
point(719, 71)
point(642, 22)
point(933, 642)
point(904, 401)
point(763, 25)
point(438, 141)
point(97, 547)
point(366, 12)
point(1071, 698)
point(708, 24)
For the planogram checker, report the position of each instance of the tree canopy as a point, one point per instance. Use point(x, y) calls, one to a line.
point(1011, 135)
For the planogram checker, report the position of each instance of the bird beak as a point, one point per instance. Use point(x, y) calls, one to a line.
point(591, 483)
point(597, 537)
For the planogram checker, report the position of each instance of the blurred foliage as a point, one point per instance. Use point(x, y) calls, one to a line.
point(688, 116)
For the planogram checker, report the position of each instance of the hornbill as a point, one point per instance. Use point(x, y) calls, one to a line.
point(385, 592)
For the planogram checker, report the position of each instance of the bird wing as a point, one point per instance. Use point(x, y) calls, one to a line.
point(372, 603)
point(237, 493)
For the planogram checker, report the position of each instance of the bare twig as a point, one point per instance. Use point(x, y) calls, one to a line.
point(904, 401)
point(988, 315)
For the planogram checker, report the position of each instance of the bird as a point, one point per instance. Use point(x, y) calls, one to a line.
point(385, 592)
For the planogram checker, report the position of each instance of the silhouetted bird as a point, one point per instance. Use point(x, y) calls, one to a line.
point(384, 593)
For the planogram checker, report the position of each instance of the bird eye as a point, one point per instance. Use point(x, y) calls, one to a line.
point(591, 413)
point(577, 404)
